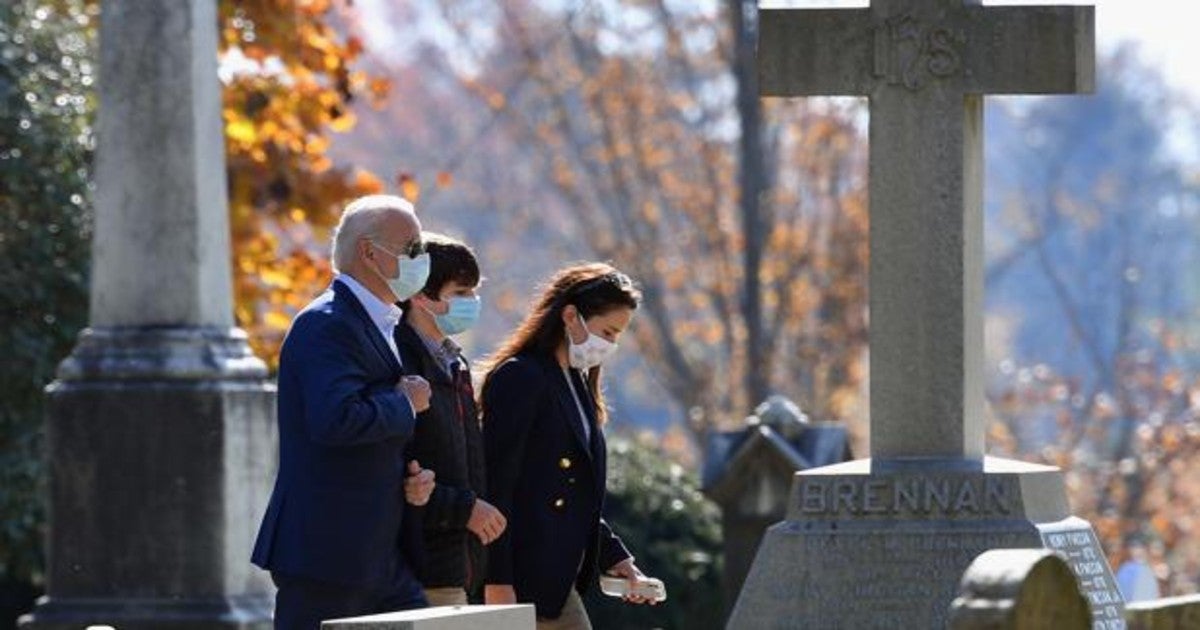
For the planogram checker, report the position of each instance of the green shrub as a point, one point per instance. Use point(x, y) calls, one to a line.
point(674, 533)
point(46, 108)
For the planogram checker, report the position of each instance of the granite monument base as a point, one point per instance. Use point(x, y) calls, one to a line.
point(884, 545)
point(161, 447)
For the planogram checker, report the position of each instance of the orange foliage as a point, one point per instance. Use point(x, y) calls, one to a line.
point(284, 191)
point(1130, 455)
point(638, 146)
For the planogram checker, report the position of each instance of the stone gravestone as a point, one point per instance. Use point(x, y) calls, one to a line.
point(892, 534)
point(160, 426)
point(506, 617)
point(1019, 589)
point(1168, 613)
point(748, 473)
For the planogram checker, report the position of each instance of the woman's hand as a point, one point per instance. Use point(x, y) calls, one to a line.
point(499, 594)
point(628, 570)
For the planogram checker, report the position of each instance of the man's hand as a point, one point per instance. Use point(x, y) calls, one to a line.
point(499, 594)
point(486, 521)
point(628, 570)
point(418, 485)
point(417, 390)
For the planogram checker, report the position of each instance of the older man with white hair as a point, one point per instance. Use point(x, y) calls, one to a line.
point(333, 536)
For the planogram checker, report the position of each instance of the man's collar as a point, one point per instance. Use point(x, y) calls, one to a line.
point(382, 313)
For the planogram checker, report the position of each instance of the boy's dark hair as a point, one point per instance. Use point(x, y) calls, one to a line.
point(450, 260)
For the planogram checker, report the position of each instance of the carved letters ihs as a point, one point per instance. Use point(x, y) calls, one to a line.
point(909, 52)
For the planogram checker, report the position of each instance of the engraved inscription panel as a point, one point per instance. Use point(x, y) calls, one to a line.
point(1075, 539)
point(885, 578)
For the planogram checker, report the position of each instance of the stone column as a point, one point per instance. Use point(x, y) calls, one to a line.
point(160, 426)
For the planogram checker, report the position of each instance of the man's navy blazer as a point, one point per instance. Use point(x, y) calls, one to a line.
point(337, 508)
point(548, 479)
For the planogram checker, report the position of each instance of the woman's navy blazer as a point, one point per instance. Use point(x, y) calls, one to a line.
point(548, 479)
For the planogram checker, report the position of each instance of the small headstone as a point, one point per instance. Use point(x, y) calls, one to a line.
point(749, 472)
point(1025, 589)
point(1170, 613)
point(507, 617)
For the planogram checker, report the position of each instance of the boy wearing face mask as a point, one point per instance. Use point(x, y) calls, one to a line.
point(458, 522)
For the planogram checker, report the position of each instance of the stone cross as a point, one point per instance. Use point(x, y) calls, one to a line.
point(925, 66)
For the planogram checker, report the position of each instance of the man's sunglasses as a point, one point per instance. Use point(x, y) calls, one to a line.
point(414, 248)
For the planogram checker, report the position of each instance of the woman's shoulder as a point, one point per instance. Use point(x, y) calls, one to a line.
point(524, 368)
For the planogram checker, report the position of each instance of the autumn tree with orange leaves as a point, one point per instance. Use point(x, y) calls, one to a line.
point(629, 112)
point(291, 82)
point(1100, 363)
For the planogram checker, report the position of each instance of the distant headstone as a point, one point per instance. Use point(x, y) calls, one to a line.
point(1019, 589)
point(749, 472)
point(782, 415)
point(1169, 613)
point(882, 542)
point(509, 617)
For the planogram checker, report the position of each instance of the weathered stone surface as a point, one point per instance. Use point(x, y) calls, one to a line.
point(161, 428)
point(161, 243)
point(886, 548)
point(1019, 589)
point(925, 66)
point(512, 617)
point(154, 494)
point(882, 543)
point(1170, 613)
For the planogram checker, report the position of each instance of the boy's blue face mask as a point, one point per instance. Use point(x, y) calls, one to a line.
point(462, 314)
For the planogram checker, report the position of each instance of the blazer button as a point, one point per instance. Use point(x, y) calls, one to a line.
point(570, 480)
point(564, 463)
point(559, 503)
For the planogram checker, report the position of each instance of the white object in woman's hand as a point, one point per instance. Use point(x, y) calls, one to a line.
point(637, 588)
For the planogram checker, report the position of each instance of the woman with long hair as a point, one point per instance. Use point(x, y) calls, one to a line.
point(543, 413)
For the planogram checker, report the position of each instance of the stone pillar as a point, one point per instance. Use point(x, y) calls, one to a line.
point(160, 426)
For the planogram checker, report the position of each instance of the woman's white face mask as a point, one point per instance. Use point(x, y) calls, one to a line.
point(590, 353)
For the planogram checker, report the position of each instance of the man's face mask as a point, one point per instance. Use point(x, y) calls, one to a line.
point(412, 270)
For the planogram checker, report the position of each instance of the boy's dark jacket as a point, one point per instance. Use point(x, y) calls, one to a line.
point(447, 440)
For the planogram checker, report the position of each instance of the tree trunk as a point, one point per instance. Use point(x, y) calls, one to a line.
point(751, 181)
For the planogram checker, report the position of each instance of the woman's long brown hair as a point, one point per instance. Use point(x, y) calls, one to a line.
point(594, 289)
